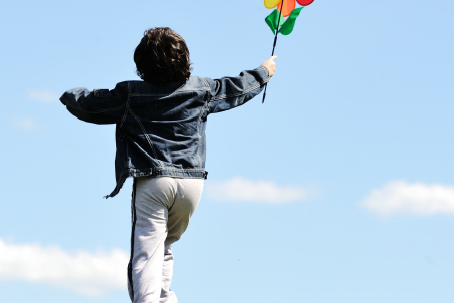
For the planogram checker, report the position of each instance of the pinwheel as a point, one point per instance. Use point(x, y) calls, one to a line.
point(285, 8)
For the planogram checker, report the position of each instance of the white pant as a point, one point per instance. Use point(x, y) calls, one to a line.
point(161, 209)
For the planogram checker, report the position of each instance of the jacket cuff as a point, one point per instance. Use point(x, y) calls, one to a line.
point(62, 100)
point(264, 69)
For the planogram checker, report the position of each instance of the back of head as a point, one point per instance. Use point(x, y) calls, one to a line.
point(162, 56)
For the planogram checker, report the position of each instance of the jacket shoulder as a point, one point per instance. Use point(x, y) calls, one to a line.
point(122, 88)
point(195, 83)
point(140, 87)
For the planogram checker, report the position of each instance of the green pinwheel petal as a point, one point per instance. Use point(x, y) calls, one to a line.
point(272, 20)
point(289, 24)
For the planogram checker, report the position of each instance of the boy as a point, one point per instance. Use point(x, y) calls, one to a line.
point(160, 137)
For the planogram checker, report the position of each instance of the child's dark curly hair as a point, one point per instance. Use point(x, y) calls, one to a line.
point(162, 56)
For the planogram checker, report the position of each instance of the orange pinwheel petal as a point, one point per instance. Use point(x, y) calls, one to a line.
point(289, 5)
point(272, 3)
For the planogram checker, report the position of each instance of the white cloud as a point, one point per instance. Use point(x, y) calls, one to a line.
point(239, 189)
point(413, 199)
point(92, 274)
point(43, 96)
point(25, 123)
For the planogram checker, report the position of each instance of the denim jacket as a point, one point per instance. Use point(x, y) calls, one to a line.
point(160, 130)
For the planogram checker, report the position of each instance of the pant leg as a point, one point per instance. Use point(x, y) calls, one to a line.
point(152, 199)
point(162, 208)
point(189, 192)
point(188, 195)
point(167, 296)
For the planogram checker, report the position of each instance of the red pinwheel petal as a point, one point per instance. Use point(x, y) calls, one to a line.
point(289, 5)
point(305, 2)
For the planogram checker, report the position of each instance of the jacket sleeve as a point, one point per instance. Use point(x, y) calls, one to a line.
point(100, 106)
point(229, 92)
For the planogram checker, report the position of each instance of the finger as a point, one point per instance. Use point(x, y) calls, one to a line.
point(272, 58)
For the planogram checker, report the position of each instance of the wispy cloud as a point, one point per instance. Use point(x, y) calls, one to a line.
point(25, 123)
point(43, 96)
point(242, 190)
point(413, 199)
point(92, 274)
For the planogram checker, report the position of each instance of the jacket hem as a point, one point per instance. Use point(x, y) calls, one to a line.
point(158, 172)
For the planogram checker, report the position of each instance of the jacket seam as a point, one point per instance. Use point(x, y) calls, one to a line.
point(239, 94)
point(148, 95)
point(196, 170)
point(162, 95)
point(207, 85)
point(144, 132)
point(97, 111)
point(266, 69)
point(171, 176)
point(124, 116)
point(198, 133)
point(208, 89)
point(191, 90)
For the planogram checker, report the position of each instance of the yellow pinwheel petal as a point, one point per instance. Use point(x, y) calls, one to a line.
point(272, 3)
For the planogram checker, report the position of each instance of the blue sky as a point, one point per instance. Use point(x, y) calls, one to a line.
point(338, 189)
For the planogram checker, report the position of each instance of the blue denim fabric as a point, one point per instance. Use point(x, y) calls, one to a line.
point(161, 129)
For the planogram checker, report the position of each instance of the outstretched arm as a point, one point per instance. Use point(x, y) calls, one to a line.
point(100, 106)
point(229, 92)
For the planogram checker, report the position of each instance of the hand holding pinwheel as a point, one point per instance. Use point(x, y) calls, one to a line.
point(285, 8)
point(270, 65)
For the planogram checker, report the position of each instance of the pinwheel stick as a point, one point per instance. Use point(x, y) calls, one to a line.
point(274, 45)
